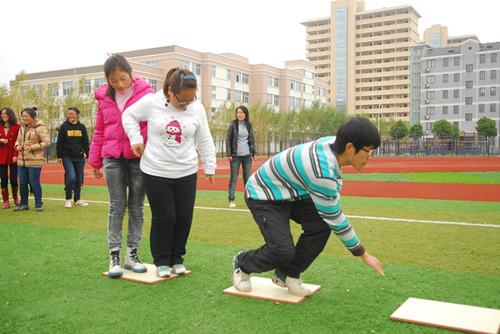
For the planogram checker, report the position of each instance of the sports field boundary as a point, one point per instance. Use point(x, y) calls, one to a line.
point(404, 220)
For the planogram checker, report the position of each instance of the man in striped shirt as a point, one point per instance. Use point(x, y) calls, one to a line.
point(303, 183)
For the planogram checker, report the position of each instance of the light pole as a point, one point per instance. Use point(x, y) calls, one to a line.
point(378, 124)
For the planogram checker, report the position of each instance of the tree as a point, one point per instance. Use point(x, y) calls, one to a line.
point(486, 127)
point(416, 130)
point(443, 129)
point(398, 130)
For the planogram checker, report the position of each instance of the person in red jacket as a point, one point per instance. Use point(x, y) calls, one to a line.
point(8, 155)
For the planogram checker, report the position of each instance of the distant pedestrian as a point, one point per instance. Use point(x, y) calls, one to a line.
point(72, 150)
point(240, 149)
point(9, 129)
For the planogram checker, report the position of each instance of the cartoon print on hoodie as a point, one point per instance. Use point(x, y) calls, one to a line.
point(173, 133)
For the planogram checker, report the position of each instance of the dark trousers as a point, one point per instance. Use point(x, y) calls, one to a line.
point(4, 175)
point(279, 251)
point(73, 176)
point(246, 164)
point(172, 205)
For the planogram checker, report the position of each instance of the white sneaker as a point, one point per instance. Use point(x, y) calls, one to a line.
point(132, 261)
point(81, 203)
point(163, 271)
point(232, 204)
point(179, 269)
point(115, 270)
point(241, 280)
point(295, 287)
point(67, 204)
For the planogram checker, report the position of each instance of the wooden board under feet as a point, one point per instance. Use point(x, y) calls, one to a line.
point(148, 277)
point(470, 319)
point(264, 288)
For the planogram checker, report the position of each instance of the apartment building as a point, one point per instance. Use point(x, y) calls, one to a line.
point(222, 78)
point(437, 37)
point(364, 54)
point(458, 83)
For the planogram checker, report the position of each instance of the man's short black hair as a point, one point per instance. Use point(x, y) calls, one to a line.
point(360, 132)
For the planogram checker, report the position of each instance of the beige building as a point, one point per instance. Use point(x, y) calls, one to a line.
point(364, 54)
point(437, 37)
point(222, 78)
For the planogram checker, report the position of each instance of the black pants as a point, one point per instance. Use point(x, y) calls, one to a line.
point(172, 205)
point(4, 175)
point(279, 251)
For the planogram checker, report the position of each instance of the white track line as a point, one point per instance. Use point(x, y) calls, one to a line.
point(406, 220)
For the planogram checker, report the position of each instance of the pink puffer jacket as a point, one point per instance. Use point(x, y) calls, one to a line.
point(109, 139)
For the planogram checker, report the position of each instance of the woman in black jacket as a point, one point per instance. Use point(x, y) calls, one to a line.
point(72, 149)
point(240, 149)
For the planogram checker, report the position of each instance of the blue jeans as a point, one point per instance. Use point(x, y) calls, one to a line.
point(121, 174)
point(246, 163)
point(73, 176)
point(30, 175)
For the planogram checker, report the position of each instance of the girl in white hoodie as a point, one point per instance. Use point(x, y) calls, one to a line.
point(177, 132)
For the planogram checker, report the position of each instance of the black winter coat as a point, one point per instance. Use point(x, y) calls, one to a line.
point(232, 139)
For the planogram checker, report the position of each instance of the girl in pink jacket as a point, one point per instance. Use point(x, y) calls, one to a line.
point(111, 148)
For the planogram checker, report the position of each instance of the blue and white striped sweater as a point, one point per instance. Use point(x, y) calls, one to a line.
point(307, 170)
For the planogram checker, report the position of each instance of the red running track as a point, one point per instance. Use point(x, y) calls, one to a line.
point(54, 174)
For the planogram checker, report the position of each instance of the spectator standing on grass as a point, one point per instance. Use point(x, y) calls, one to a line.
point(240, 149)
point(31, 143)
point(177, 132)
point(9, 129)
point(111, 148)
point(303, 183)
point(72, 150)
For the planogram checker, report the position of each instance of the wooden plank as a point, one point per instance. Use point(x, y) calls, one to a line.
point(470, 319)
point(264, 288)
point(148, 277)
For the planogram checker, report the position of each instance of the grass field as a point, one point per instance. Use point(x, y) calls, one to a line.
point(52, 261)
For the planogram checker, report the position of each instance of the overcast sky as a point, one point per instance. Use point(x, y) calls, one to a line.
point(38, 35)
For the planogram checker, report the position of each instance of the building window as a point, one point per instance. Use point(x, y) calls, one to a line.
point(153, 62)
point(481, 108)
point(430, 95)
point(493, 91)
point(213, 70)
point(431, 63)
point(430, 79)
point(430, 111)
point(185, 64)
point(445, 62)
point(482, 59)
point(456, 93)
point(153, 83)
point(468, 100)
point(228, 74)
point(276, 100)
point(445, 110)
point(482, 91)
point(245, 78)
point(445, 78)
point(445, 94)
point(269, 81)
point(468, 117)
point(456, 77)
point(469, 68)
point(455, 110)
point(270, 99)
point(245, 97)
point(67, 88)
point(493, 57)
point(196, 68)
point(482, 75)
point(493, 107)
point(99, 82)
point(86, 87)
point(493, 74)
point(456, 61)
point(468, 84)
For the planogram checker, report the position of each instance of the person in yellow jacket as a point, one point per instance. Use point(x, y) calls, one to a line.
point(31, 143)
